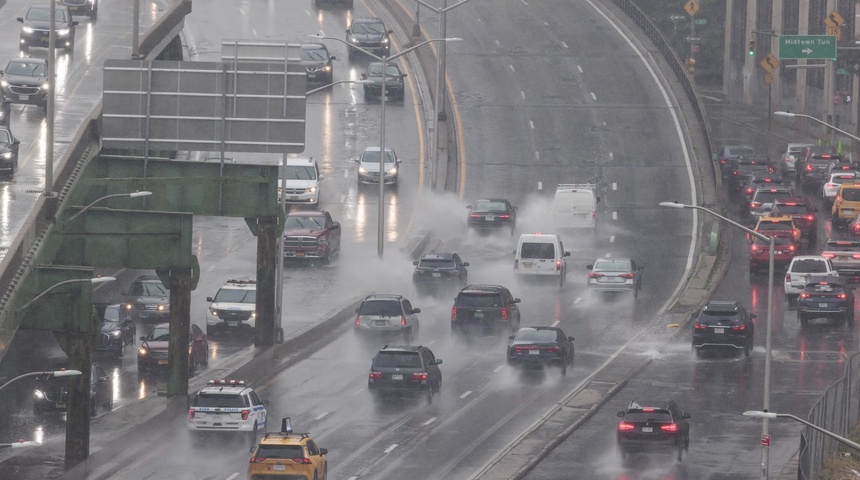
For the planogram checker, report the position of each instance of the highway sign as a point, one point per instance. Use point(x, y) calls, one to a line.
point(807, 46)
point(770, 63)
point(765, 440)
point(691, 7)
point(677, 17)
point(693, 38)
point(834, 20)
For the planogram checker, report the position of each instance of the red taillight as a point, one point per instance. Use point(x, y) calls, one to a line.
point(594, 275)
point(842, 296)
point(419, 376)
point(788, 277)
point(474, 215)
point(258, 459)
point(724, 161)
point(699, 326)
point(756, 250)
point(245, 414)
point(804, 295)
point(403, 321)
point(791, 248)
point(809, 217)
point(504, 216)
point(827, 255)
point(191, 414)
point(357, 321)
point(625, 426)
point(453, 313)
point(810, 167)
point(375, 375)
point(831, 185)
point(648, 410)
point(739, 326)
point(750, 190)
point(593, 214)
point(669, 427)
point(755, 204)
point(504, 313)
point(626, 275)
point(303, 461)
point(553, 349)
point(558, 265)
point(855, 256)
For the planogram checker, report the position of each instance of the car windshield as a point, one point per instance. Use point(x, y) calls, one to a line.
point(301, 172)
point(490, 206)
point(786, 209)
point(659, 416)
point(842, 178)
point(369, 28)
point(5, 136)
point(375, 70)
point(851, 194)
point(44, 15)
point(436, 263)
point(314, 54)
point(479, 300)
point(219, 400)
point(768, 226)
point(372, 156)
point(738, 151)
point(236, 295)
point(159, 334)
point(809, 265)
point(397, 359)
point(381, 308)
point(610, 266)
point(288, 452)
point(537, 250)
point(536, 336)
point(32, 69)
point(294, 222)
point(148, 289)
point(827, 288)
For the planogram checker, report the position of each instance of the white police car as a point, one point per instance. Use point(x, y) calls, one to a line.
point(227, 406)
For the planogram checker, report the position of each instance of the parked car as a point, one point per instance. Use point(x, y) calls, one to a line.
point(537, 347)
point(153, 351)
point(52, 393)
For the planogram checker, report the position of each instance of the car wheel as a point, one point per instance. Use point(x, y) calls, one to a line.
point(253, 436)
point(430, 396)
point(94, 406)
point(109, 404)
point(680, 455)
point(564, 366)
point(748, 348)
point(327, 257)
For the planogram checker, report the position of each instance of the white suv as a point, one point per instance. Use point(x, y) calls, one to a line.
point(227, 406)
point(805, 269)
point(302, 182)
point(233, 309)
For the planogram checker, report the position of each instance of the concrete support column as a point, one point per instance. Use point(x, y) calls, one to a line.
point(749, 60)
point(180, 331)
point(776, 24)
point(79, 348)
point(267, 255)
point(727, 49)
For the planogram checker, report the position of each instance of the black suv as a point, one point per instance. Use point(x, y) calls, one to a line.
point(744, 167)
point(90, 8)
point(653, 427)
point(405, 370)
point(812, 169)
point(485, 309)
point(826, 299)
point(539, 346)
point(724, 324)
point(394, 84)
point(25, 81)
point(147, 299)
point(51, 394)
point(368, 33)
point(36, 27)
point(8, 153)
point(436, 271)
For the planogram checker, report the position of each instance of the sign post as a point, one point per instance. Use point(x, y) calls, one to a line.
point(691, 7)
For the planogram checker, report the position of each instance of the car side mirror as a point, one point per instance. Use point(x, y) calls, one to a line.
point(465, 264)
point(517, 300)
point(438, 361)
point(511, 337)
point(416, 310)
point(16, 142)
point(685, 415)
point(74, 23)
point(323, 451)
point(142, 338)
point(514, 252)
point(398, 161)
point(752, 315)
point(20, 19)
point(332, 57)
point(641, 267)
point(566, 254)
point(589, 267)
point(619, 414)
point(390, 32)
point(597, 200)
point(209, 299)
point(252, 449)
point(468, 207)
point(264, 402)
point(364, 76)
point(571, 338)
point(335, 225)
point(404, 75)
point(356, 310)
point(321, 178)
point(415, 263)
point(356, 160)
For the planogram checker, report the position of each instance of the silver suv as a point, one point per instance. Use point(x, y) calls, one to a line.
point(387, 315)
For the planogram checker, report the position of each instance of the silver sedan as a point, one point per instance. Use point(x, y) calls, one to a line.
point(615, 275)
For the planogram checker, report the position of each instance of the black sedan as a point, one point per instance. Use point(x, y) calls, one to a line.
point(539, 346)
point(318, 63)
point(492, 213)
point(51, 394)
point(826, 299)
point(8, 153)
point(394, 83)
point(436, 271)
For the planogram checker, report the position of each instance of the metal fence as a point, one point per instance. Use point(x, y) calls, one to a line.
point(836, 411)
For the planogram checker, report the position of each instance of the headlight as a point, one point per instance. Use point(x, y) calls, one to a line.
point(253, 314)
point(351, 39)
point(4, 83)
point(115, 333)
point(7, 155)
point(311, 190)
point(27, 29)
point(322, 242)
point(63, 32)
point(385, 40)
point(143, 351)
point(392, 171)
point(327, 68)
point(362, 170)
point(45, 86)
point(162, 308)
point(39, 394)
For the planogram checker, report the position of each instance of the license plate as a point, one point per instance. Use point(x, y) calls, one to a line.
point(23, 98)
point(489, 218)
point(847, 211)
point(397, 376)
point(61, 405)
point(232, 324)
point(294, 197)
point(719, 330)
point(380, 323)
point(647, 429)
point(779, 252)
point(822, 305)
point(479, 314)
point(300, 254)
point(534, 352)
point(527, 264)
point(436, 274)
point(162, 362)
point(279, 468)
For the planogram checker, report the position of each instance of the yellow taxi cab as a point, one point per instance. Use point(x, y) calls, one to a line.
point(778, 226)
point(289, 455)
point(846, 205)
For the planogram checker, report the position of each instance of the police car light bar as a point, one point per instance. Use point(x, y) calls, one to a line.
point(226, 382)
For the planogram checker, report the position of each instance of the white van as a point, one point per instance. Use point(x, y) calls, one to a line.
point(575, 206)
point(302, 181)
point(541, 254)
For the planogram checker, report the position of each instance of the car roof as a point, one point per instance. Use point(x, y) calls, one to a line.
point(382, 296)
point(233, 387)
point(367, 20)
point(307, 213)
point(659, 404)
point(554, 329)
point(28, 60)
point(612, 259)
point(483, 288)
point(402, 348)
point(792, 200)
point(491, 200)
point(846, 186)
point(300, 161)
point(830, 280)
point(808, 257)
point(773, 188)
point(722, 306)
point(781, 218)
point(438, 256)
point(376, 149)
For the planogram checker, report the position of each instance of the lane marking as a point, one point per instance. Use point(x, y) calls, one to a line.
point(480, 21)
point(523, 94)
point(524, 2)
point(608, 255)
point(540, 185)
point(497, 43)
point(231, 477)
point(532, 124)
point(466, 394)
point(537, 155)
point(611, 156)
point(578, 299)
point(512, 68)
point(392, 447)
point(496, 370)
point(358, 391)
point(615, 215)
point(321, 416)
point(579, 68)
point(612, 239)
point(428, 422)
point(594, 97)
point(564, 45)
point(555, 323)
point(614, 186)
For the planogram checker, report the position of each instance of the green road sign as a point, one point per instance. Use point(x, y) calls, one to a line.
point(807, 46)
point(701, 21)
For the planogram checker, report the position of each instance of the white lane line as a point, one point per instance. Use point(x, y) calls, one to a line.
point(480, 21)
point(360, 390)
point(392, 447)
point(496, 370)
point(234, 475)
point(615, 215)
point(545, 24)
point(532, 124)
point(540, 185)
point(604, 123)
point(321, 416)
point(614, 186)
point(352, 478)
point(611, 156)
point(555, 323)
point(524, 2)
point(466, 394)
point(428, 422)
point(578, 299)
point(512, 68)
point(564, 45)
point(579, 68)
point(497, 43)
point(345, 173)
point(253, 32)
point(593, 96)
point(608, 255)
point(537, 155)
point(523, 94)
point(612, 239)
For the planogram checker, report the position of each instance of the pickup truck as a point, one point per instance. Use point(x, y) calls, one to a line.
point(311, 235)
point(845, 257)
point(806, 269)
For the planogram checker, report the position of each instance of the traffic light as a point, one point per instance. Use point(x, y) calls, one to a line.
point(691, 66)
point(751, 47)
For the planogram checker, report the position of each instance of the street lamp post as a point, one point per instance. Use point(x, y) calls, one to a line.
point(774, 415)
point(115, 195)
point(384, 59)
point(765, 460)
point(64, 282)
point(54, 373)
point(800, 115)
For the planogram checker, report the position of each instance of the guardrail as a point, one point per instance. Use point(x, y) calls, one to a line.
point(653, 33)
